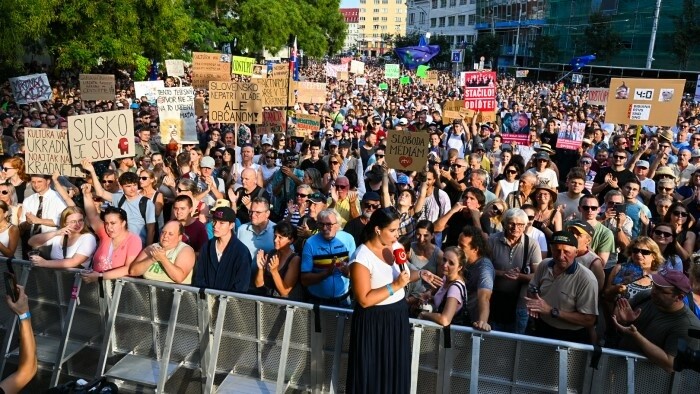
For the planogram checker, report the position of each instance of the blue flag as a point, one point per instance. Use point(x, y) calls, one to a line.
point(581, 61)
point(412, 57)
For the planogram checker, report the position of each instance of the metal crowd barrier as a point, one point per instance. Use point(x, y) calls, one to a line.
point(174, 338)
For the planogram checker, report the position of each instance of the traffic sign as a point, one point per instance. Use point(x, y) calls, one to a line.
point(457, 56)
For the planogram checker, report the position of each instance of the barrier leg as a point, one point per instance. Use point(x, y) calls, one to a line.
point(563, 369)
point(204, 327)
point(415, 356)
point(169, 337)
point(630, 374)
point(316, 356)
point(70, 313)
point(282, 369)
point(106, 342)
point(476, 359)
point(214, 349)
point(337, 351)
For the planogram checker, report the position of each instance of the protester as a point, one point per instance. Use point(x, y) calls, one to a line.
point(27, 366)
point(170, 260)
point(278, 271)
point(72, 245)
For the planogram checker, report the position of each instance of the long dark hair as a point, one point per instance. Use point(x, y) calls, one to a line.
point(381, 218)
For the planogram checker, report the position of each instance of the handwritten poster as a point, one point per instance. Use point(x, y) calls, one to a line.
point(392, 71)
point(357, 67)
point(101, 136)
point(177, 116)
point(407, 151)
point(31, 88)
point(47, 151)
point(275, 92)
point(311, 92)
point(208, 67)
point(235, 102)
point(148, 89)
point(242, 65)
point(273, 122)
point(97, 87)
point(175, 67)
point(308, 122)
point(597, 96)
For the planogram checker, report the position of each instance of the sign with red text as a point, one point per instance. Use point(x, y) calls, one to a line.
point(101, 136)
point(597, 96)
point(273, 122)
point(480, 90)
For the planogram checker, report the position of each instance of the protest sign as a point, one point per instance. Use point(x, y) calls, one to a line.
point(259, 71)
point(454, 109)
point(97, 87)
point(392, 71)
point(343, 76)
point(383, 86)
point(273, 122)
point(242, 65)
point(149, 89)
point(235, 102)
point(280, 70)
point(175, 67)
point(433, 78)
point(210, 67)
point(405, 80)
point(308, 122)
point(361, 81)
point(639, 101)
point(311, 92)
point(576, 78)
point(697, 90)
point(332, 70)
point(199, 106)
point(570, 135)
point(515, 127)
point(597, 96)
point(406, 150)
point(101, 136)
point(31, 88)
point(177, 116)
point(357, 67)
point(486, 117)
point(47, 151)
point(521, 73)
point(480, 91)
point(274, 92)
point(422, 71)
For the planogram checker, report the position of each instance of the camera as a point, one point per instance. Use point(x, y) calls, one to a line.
point(687, 357)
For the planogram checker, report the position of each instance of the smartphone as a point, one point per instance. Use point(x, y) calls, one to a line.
point(11, 286)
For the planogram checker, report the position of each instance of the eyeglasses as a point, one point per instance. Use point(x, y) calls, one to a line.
point(517, 225)
point(681, 214)
point(620, 157)
point(588, 207)
point(257, 212)
point(586, 162)
point(144, 178)
point(325, 224)
point(74, 222)
point(8, 168)
point(666, 189)
point(644, 252)
point(372, 206)
point(153, 126)
point(379, 156)
point(335, 163)
point(302, 195)
point(107, 181)
point(663, 234)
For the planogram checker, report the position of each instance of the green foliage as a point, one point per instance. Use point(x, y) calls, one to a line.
point(141, 69)
point(545, 48)
point(684, 38)
point(488, 46)
point(601, 38)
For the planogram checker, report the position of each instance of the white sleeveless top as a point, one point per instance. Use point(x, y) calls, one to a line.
point(5, 240)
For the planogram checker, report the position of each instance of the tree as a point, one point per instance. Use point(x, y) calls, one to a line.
point(684, 37)
point(601, 38)
point(545, 48)
point(488, 46)
point(23, 22)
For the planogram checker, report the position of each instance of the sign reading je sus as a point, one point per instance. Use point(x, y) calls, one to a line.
point(101, 136)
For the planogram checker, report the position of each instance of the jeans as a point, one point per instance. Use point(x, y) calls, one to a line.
point(517, 327)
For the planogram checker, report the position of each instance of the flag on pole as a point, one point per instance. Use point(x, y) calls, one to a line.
point(293, 67)
point(581, 61)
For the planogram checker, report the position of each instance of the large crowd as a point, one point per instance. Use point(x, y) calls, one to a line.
point(593, 245)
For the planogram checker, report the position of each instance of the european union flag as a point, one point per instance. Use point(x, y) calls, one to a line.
point(412, 57)
point(581, 61)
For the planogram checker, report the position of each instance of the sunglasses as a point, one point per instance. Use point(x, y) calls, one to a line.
point(530, 218)
point(644, 252)
point(182, 190)
point(335, 163)
point(496, 210)
point(342, 187)
point(511, 171)
point(681, 214)
point(144, 178)
point(586, 162)
point(666, 189)
point(4, 192)
point(8, 168)
point(379, 156)
point(664, 234)
point(589, 207)
point(620, 157)
point(372, 206)
point(302, 195)
point(107, 181)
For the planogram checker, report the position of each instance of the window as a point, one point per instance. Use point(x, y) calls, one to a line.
point(375, 19)
point(398, 28)
point(384, 19)
point(375, 27)
point(363, 1)
point(411, 18)
point(434, 4)
point(376, 10)
point(432, 22)
point(451, 21)
point(461, 20)
point(399, 10)
point(443, 3)
point(453, 3)
point(361, 27)
point(362, 19)
point(462, 2)
point(384, 10)
point(442, 22)
point(363, 10)
point(422, 18)
point(472, 19)
point(472, 1)
point(397, 19)
point(470, 39)
point(384, 27)
point(399, 1)
point(385, 1)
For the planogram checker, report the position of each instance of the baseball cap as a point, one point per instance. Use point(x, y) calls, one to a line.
point(564, 238)
point(403, 121)
point(371, 196)
point(672, 278)
point(695, 153)
point(317, 198)
point(334, 143)
point(224, 214)
point(643, 163)
point(479, 146)
point(207, 162)
point(222, 202)
point(402, 179)
point(345, 144)
point(542, 156)
point(266, 140)
point(581, 226)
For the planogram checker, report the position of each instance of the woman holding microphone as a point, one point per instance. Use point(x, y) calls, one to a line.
point(379, 337)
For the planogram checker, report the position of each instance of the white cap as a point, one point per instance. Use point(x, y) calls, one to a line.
point(266, 140)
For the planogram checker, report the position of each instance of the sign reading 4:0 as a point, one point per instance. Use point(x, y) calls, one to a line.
point(644, 94)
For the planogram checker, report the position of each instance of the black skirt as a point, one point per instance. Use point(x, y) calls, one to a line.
point(380, 350)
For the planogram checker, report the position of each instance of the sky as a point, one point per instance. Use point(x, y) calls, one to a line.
point(349, 3)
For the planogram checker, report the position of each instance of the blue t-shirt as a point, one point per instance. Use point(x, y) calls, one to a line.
point(319, 253)
point(136, 223)
point(633, 212)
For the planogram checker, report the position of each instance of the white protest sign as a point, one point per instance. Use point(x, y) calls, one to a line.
point(392, 71)
point(357, 67)
point(360, 81)
point(47, 151)
point(176, 113)
point(149, 89)
point(175, 67)
point(597, 96)
point(101, 136)
point(31, 88)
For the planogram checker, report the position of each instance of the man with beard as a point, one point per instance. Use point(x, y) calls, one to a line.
point(370, 203)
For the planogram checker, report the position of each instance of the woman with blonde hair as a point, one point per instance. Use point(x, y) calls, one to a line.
point(8, 195)
point(13, 173)
point(72, 245)
point(10, 245)
point(632, 279)
point(334, 162)
point(494, 212)
point(148, 185)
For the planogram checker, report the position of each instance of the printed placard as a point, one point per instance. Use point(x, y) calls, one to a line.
point(210, 67)
point(308, 122)
point(97, 87)
point(175, 67)
point(275, 92)
point(31, 88)
point(311, 92)
point(273, 122)
point(515, 127)
point(597, 96)
point(47, 151)
point(570, 135)
point(332, 70)
point(280, 70)
point(101, 136)
point(235, 102)
point(177, 116)
point(480, 91)
point(406, 150)
point(357, 67)
point(640, 101)
point(259, 71)
point(242, 65)
point(148, 89)
point(521, 73)
point(392, 71)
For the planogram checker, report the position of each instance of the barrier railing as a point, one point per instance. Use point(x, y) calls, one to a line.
point(157, 335)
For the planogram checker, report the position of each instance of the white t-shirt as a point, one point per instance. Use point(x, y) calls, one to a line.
point(538, 236)
point(381, 273)
point(84, 246)
point(547, 177)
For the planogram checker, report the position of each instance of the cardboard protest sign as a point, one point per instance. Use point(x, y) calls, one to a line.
point(454, 109)
point(640, 101)
point(486, 117)
point(242, 65)
point(311, 92)
point(357, 67)
point(392, 71)
point(273, 122)
point(433, 78)
point(308, 122)
point(176, 113)
point(515, 127)
point(422, 71)
point(361, 81)
point(97, 87)
point(274, 92)
point(47, 151)
point(199, 106)
point(210, 67)
point(31, 88)
point(480, 91)
point(570, 135)
point(280, 70)
point(175, 67)
point(235, 102)
point(342, 76)
point(406, 150)
point(101, 136)
point(597, 96)
point(149, 89)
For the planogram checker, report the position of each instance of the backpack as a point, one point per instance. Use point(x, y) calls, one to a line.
point(465, 146)
point(142, 205)
point(462, 317)
point(436, 196)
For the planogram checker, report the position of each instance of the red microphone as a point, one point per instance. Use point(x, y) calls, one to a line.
point(400, 256)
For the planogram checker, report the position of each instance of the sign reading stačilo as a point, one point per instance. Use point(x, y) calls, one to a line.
point(97, 87)
point(47, 151)
point(235, 102)
point(480, 90)
point(31, 88)
point(101, 136)
point(177, 116)
point(639, 101)
point(407, 151)
point(242, 65)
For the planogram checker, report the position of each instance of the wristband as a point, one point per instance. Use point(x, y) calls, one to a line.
point(25, 316)
point(391, 291)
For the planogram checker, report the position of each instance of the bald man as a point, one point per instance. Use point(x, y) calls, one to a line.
point(242, 199)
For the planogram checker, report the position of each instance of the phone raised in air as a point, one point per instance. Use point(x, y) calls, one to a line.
point(11, 286)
